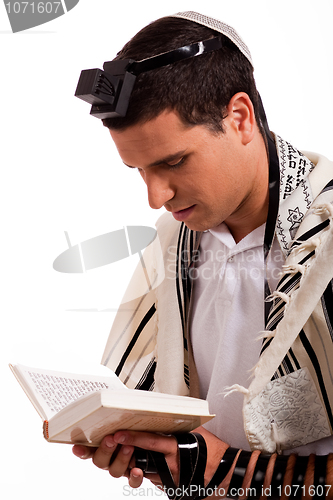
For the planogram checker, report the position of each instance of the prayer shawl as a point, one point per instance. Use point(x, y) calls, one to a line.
point(289, 401)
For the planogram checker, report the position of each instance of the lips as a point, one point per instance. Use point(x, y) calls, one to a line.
point(182, 215)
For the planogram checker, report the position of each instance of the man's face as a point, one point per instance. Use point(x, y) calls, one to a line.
point(203, 178)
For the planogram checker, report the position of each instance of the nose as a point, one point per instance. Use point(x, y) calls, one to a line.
point(159, 188)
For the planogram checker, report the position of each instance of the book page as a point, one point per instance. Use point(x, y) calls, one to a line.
point(58, 392)
point(55, 390)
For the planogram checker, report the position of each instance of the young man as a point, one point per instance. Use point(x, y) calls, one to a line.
point(245, 207)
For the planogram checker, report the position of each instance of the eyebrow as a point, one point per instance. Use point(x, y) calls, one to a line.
point(167, 159)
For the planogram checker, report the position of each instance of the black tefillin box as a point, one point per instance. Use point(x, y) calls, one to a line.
point(107, 91)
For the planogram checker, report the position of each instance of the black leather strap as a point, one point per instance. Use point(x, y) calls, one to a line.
point(192, 466)
point(192, 458)
point(319, 480)
point(187, 445)
point(298, 477)
point(223, 468)
point(144, 461)
point(191, 50)
point(198, 479)
point(163, 471)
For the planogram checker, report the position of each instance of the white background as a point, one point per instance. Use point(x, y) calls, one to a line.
point(60, 172)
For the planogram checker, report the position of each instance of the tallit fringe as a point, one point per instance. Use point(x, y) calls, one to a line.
point(234, 388)
point(276, 437)
point(306, 245)
point(266, 334)
point(294, 268)
point(324, 208)
point(285, 297)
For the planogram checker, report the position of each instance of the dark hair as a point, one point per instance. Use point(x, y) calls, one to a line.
point(199, 89)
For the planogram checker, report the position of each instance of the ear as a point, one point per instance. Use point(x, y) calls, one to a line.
point(241, 116)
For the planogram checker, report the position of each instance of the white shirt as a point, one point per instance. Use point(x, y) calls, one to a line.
point(227, 317)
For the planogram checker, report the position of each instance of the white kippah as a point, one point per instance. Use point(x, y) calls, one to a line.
point(216, 25)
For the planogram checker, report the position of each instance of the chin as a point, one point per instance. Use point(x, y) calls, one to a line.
point(197, 226)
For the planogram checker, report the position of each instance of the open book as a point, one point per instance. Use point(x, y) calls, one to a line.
point(83, 409)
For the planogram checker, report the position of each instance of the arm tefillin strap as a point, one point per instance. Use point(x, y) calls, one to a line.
point(319, 479)
point(192, 465)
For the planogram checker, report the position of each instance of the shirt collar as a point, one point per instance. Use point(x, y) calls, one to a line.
point(253, 239)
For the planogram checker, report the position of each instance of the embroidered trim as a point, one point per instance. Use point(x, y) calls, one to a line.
point(288, 413)
point(294, 170)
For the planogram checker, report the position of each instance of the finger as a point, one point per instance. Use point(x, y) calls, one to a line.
point(153, 442)
point(153, 477)
point(83, 452)
point(104, 452)
point(148, 441)
point(135, 477)
point(121, 463)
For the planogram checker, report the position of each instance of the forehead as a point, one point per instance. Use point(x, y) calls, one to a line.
point(159, 129)
point(163, 136)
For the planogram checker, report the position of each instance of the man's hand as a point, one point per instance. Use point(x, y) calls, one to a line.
point(115, 455)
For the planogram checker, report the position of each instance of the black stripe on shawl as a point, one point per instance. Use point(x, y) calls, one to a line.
point(328, 186)
point(312, 232)
point(276, 314)
point(188, 281)
point(147, 381)
point(291, 352)
point(266, 343)
point(185, 247)
point(286, 284)
point(314, 360)
point(319, 227)
point(185, 256)
point(179, 279)
point(135, 337)
point(293, 277)
point(291, 281)
point(273, 319)
point(327, 301)
point(288, 367)
point(288, 361)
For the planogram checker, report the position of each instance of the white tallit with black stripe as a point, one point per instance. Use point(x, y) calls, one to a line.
point(290, 399)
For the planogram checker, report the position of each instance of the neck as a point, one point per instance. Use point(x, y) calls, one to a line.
point(253, 210)
point(248, 224)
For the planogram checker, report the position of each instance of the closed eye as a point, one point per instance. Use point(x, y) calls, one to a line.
point(173, 166)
